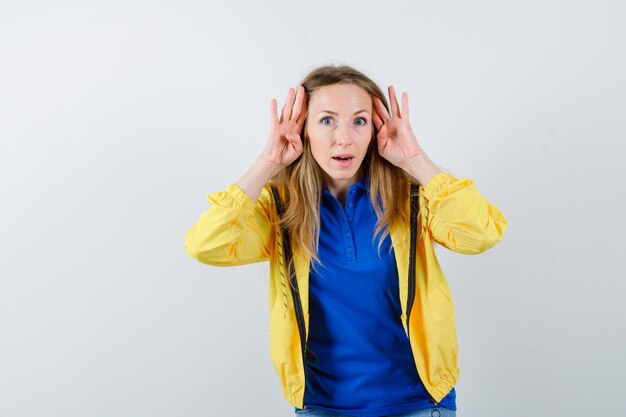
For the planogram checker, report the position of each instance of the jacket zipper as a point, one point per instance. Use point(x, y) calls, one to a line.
point(414, 202)
point(297, 307)
point(411, 280)
point(293, 284)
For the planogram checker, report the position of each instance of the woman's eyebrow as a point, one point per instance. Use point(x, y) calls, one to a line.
point(335, 114)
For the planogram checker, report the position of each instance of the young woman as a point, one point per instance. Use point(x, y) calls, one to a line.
point(347, 206)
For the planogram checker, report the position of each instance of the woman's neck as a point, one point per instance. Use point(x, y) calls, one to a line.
point(339, 188)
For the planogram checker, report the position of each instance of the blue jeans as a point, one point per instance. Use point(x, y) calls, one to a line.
point(428, 412)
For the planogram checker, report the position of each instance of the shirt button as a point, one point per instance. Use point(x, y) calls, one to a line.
point(350, 250)
point(353, 191)
point(347, 234)
point(350, 205)
point(349, 219)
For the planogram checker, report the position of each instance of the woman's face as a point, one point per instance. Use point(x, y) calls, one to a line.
point(339, 127)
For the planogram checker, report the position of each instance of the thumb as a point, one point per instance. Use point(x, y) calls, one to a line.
point(382, 144)
point(295, 141)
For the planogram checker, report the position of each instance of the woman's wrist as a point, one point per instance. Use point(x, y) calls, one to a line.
point(267, 167)
point(255, 178)
point(422, 168)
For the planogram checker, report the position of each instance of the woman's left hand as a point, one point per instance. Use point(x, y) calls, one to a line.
point(396, 141)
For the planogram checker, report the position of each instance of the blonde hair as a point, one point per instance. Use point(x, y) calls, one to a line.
point(300, 183)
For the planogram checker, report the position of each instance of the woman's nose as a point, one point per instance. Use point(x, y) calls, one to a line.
point(342, 135)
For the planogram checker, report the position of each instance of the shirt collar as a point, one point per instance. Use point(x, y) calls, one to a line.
point(362, 183)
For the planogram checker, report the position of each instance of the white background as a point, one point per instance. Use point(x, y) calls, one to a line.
point(117, 119)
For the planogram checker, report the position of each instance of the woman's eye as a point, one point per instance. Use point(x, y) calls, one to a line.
point(361, 121)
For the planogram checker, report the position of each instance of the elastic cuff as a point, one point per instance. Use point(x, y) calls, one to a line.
point(233, 196)
point(437, 183)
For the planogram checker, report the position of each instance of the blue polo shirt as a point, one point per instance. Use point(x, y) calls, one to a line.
point(359, 361)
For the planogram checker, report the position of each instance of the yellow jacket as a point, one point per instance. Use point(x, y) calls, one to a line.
point(452, 212)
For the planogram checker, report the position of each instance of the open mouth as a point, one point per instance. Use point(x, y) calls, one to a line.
point(343, 158)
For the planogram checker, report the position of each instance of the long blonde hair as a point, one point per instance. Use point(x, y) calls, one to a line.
point(300, 183)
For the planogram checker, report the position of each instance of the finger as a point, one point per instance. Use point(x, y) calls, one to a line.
point(304, 110)
point(293, 137)
point(405, 106)
point(297, 107)
point(378, 122)
point(274, 112)
point(284, 115)
point(395, 111)
point(381, 109)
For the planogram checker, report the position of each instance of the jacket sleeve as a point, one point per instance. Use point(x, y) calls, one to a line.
point(459, 217)
point(233, 231)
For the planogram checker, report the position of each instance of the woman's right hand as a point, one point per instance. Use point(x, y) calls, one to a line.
point(284, 144)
